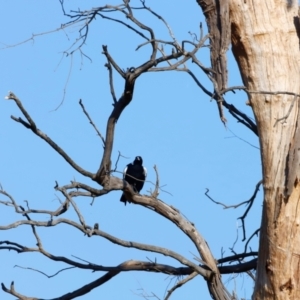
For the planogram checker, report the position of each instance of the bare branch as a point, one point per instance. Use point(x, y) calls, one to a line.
point(19, 209)
point(130, 77)
point(251, 200)
point(180, 284)
point(156, 190)
point(273, 93)
point(117, 161)
point(242, 139)
point(259, 91)
point(91, 122)
point(80, 216)
point(31, 125)
point(89, 231)
point(237, 114)
point(288, 113)
point(157, 41)
point(66, 83)
point(112, 62)
point(222, 204)
point(248, 202)
point(241, 117)
point(164, 21)
point(49, 276)
point(188, 228)
point(77, 293)
point(237, 257)
point(16, 247)
point(250, 238)
point(239, 268)
point(131, 265)
point(39, 242)
point(12, 96)
point(34, 35)
point(12, 291)
point(144, 27)
point(111, 82)
point(91, 192)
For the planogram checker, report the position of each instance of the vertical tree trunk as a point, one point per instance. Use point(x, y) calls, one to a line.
point(265, 44)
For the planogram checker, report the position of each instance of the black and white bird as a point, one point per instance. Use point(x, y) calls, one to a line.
point(135, 174)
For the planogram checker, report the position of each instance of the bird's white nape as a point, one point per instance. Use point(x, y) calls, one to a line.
point(124, 171)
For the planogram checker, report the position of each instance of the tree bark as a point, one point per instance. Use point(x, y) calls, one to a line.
point(265, 43)
point(217, 20)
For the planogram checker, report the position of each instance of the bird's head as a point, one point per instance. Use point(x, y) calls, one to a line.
point(138, 161)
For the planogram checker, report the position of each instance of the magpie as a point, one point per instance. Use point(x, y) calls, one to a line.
point(135, 174)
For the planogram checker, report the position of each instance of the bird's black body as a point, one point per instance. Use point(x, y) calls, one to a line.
point(135, 174)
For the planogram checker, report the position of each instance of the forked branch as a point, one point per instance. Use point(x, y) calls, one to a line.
point(32, 126)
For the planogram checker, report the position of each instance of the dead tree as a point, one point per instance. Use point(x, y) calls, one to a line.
point(165, 55)
point(265, 43)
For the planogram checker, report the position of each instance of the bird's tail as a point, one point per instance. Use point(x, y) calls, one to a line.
point(123, 199)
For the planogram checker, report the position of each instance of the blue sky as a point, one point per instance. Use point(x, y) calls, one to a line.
point(171, 123)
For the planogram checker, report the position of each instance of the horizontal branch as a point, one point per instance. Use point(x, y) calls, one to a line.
point(92, 192)
point(89, 231)
point(134, 265)
point(20, 210)
point(237, 257)
point(239, 268)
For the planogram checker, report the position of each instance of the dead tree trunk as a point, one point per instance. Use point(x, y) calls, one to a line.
point(265, 43)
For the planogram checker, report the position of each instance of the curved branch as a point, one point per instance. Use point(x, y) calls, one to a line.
point(77, 293)
point(91, 192)
point(89, 231)
point(12, 291)
point(32, 126)
point(250, 238)
point(134, 265)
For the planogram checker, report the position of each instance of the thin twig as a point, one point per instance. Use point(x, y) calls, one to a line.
point(250, 238)
point(180, 283)
point(91, 122)
point(243, 139)
point(222, 204)
point(251, 200)
point(288, 113)
point(66, 83)
point(49, 276)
